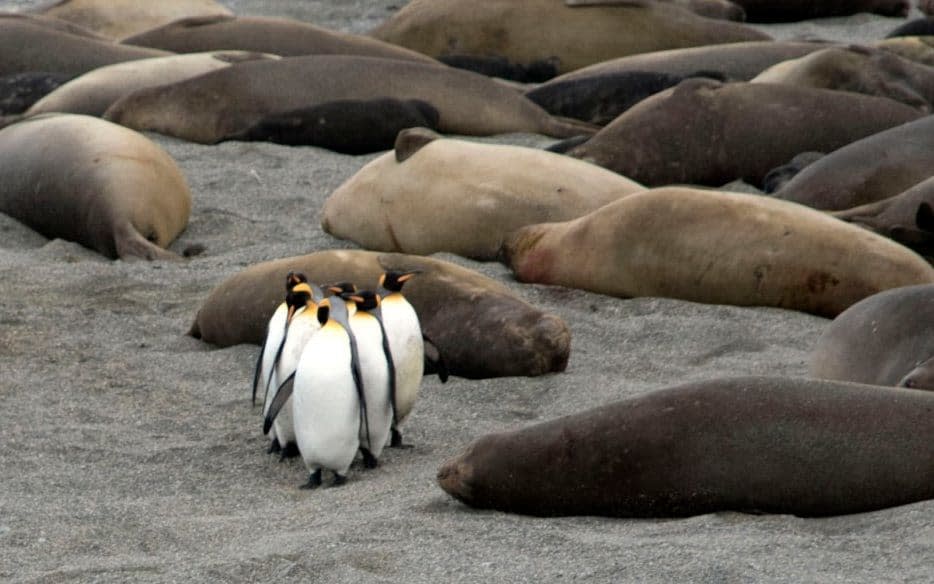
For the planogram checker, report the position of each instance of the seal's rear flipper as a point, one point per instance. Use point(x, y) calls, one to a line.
point(131, 245)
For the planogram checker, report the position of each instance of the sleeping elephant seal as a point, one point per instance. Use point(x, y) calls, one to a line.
point(778, 176)
point(92, 93)
point(916, 27)
point(752, 444)
point(879, 340)
point(861, 70)
point(434, 195)
point(221, 104)
point(279, 36)
point(19, 91)
point(794, 10)
point(86, 180)
point(40, 44)
point(116, 19)
point(552, 32)
point(710, 133)
point(715, 247)
point(479, 326)
point(874, 168)
point(919, 49)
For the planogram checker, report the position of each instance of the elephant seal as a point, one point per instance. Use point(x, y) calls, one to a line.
point(711, 133)
point(223, 103)
point(279, 36)
point(907, 218)
point(880, 340)
point(794, 10)
point(778, 176)
point(86, 180)
point(921, 377)
point(719, 9)
point(916, 27)
point(29, 44)
point(434, 195)
point(715, 247)
point(92, 93)
point(752, 444)
point(19, 91)
point(919, 49)
point(553, 33)
point(861, 70)
point(479, 326)
point(116, 19)
point(868, 170)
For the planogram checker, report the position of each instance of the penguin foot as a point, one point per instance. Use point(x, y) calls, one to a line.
point(339, 480)
point(369, 461)
point(396, 440)
point(274, 446)
point(314, 480)
point(289, 451)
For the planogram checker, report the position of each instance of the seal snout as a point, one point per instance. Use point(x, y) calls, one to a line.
point(453, 478)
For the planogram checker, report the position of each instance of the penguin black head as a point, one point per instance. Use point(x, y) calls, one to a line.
point(365, 300)
point(298, 296)
point(341, 288)
point(292, 279)
point(324, 311)
point(393, 280)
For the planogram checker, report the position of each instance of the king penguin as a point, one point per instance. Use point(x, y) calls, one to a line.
point(327, 397)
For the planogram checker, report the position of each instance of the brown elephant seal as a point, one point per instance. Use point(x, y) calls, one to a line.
point(434, 195)
point(907, 218)
point(116, 19)
point(917, 49)
point(551, 33)
point(19, 91)
point(479, 326)
point(279, 36)
point(861, 70)
point(778, 176)
point(711, 133)
point(715, 247)
point(871, 169)
point(86, 180)
point(921, 377)
point(58, 48)
point(915, 27)
point(223, 103)
point(92, 93)
point(751, 444)
point(794, 10)
point(879, 340)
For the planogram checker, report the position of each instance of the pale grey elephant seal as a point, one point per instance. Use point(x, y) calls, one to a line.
point(794, 10)
point(715, 247)
point(479, 326)
point(752, 444)
point(279, 36)
point(86, 180)
point(880, 340)
point(224, 103)
point(871, 169)
point(710, 133)
point(552, 33)
point(462, 197)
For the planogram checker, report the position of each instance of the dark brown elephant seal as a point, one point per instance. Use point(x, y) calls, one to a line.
point(40, 44)
point(710, 133)
point(19, 91)
point(794, 10)
point(279, 36)
point(880, 340)
point(116, 19)
point(871, 169)
point(480, 328)
point(751, 444)
point(224, 103)
point(551, 33)
point(86, 180)
point(715, 247)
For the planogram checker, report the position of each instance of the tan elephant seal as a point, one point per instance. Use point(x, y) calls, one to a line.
point(552, 35)
point(479, 326)
point(914, 48)
point(752, 444)
point(116, 19)
point(715, 247)
point(227, 102)
point(434, 195)
point(92, 93)
point(86, 180)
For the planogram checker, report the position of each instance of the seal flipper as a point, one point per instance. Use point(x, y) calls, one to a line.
point(411, 140)
point(282, 395)
point(435, 361)
point(130, 244)
point(565, 146)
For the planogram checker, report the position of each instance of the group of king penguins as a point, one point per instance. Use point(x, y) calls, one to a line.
point(341, 370)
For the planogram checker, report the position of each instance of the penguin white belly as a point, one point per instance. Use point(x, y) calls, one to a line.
point(325, 407)
point(375, 371)
point(303, 326)
point(274, 335)
point(408, 351)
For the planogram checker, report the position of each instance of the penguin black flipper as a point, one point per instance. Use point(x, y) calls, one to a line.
point(358, 383)
point(259, 366)
point(392, 368)
point(282, 396)
point(275, 361)
point(435, 361)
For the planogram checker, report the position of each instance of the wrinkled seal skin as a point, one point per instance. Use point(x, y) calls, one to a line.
point(40, 44)
point(753, 444)
point(710, 133)
point(715, 247)
point(794, 10)
point(874, 168)
point(86, 180)
point(225, 103)
point(480, 327)
point(19, 91)
point(550, 31)
point(879, 340)
point(462, 197)
point(279, 36)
